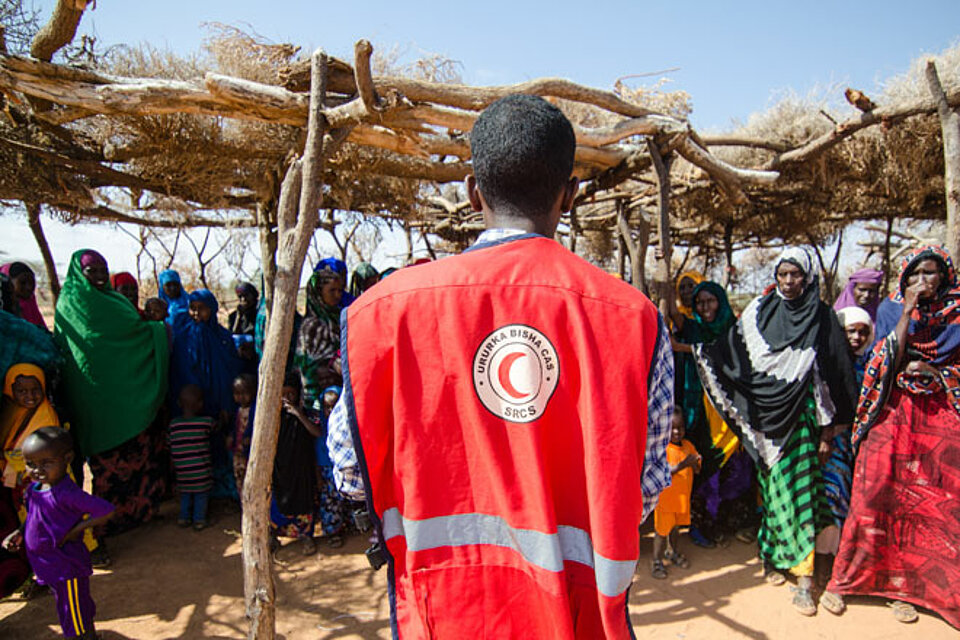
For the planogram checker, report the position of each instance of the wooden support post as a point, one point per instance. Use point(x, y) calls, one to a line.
point(636, 249)
point(574, 229)
point(664, 255)
point(267, 235)
point(886, 254)
point(728, 254)
point(33, 219)
point(297, 217)
point(950, 126)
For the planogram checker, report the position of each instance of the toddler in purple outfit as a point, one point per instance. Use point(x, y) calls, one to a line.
point(58, 512)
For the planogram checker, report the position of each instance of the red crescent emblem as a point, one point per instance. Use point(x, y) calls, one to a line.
point(503, 374)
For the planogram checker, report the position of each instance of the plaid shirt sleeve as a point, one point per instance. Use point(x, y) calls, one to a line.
point(346, 466)
point(656, 471)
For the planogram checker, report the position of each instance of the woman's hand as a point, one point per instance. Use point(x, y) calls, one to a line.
point(293, 409)
point(823, 451)
point(680, 347)
point(921, 369)
point(913, 294)
point(13, 542)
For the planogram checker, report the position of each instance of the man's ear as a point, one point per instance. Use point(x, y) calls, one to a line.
point(473, 193)
point(569, 194)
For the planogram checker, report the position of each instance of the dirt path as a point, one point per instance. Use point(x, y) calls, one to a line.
point(168, 582)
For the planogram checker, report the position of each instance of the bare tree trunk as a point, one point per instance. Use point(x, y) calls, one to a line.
point(267, 234)
point(59, 31)
point(950, 126)
point(33, 219)
point(886, 254)
point(297, 218)
point(728, 253)
point(574, 229)
point(664, 255)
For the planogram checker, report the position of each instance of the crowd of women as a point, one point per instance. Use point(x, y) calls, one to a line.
point(827, 435)
point(830, 435)
point(114, 374)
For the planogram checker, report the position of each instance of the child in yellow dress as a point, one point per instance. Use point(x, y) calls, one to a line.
point(673, 508)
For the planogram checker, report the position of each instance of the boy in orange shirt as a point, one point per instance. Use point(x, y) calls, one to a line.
point(673, 509)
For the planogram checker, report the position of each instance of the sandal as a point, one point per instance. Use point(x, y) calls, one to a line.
point(832, 602)
point(335, 541)
point(99, 558)
point(903, 611)
point(183, 523)
point(746, 536)
point(200, 525)
point(309, 546)
point(658, 571)
point(803, 601)
point(775, 578)
point(677, 559)
point(274, 544)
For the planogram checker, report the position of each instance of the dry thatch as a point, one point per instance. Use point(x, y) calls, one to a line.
point(172, 141)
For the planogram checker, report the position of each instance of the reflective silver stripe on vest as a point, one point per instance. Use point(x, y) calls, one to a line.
point(545, 550)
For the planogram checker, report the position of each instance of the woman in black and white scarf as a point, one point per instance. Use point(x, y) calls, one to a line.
point(782, 379)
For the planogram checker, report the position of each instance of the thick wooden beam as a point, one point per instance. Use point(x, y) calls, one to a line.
point(950, 127)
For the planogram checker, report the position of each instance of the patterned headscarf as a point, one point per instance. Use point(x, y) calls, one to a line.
point(697, 278)
point(933, 336)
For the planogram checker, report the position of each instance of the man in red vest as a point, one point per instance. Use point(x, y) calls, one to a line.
point(506, 411)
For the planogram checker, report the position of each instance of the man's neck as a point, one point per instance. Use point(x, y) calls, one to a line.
point(527, 225)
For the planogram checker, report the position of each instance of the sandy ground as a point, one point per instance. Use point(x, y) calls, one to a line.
point(168, 582)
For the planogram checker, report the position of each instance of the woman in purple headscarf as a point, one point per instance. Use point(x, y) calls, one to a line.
point(862, 290)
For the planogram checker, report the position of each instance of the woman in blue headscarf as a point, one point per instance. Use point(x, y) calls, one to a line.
point(170, 290)
point(204, 354)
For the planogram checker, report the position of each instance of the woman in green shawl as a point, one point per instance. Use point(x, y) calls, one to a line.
point(115, 377)
point(723, 502)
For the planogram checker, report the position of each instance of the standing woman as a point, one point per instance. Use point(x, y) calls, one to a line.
point(204, 354)
point(723, 502)
point(170, 290)
point(243, 320)
point(363, 277)
point(318, 344)
point(862, 290)
point(115, 379)
point(901, 539)
point(784, 383)
point(24, 292)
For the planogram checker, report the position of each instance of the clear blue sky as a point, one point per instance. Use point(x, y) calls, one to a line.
point(733, 56)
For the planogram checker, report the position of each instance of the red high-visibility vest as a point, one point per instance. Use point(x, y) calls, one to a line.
point(500, 414)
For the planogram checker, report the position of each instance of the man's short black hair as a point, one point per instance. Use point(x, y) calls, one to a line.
point(522, 148)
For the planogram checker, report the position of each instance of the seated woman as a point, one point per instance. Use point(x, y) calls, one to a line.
point(900, 537)
point(24, 289)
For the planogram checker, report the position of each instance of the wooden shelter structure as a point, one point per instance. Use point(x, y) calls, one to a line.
point(272, 142)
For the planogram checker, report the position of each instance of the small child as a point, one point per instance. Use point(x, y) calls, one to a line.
point(58, 513)
point(189, 437)
point(673, 508)
point(155, 309)
point(238, 442)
